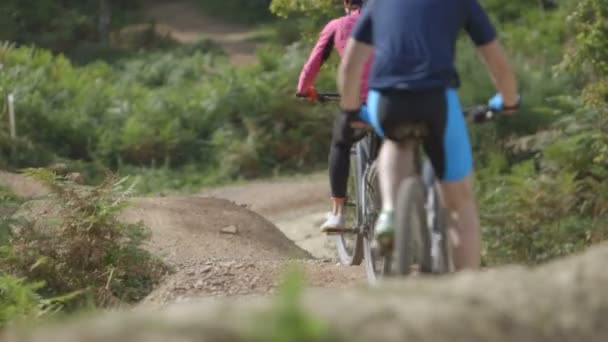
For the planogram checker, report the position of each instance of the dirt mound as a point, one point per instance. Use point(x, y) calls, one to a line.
point(563, 301)
point(282, 198)
point(189, 229)
point(297, 206)
point(219, 248)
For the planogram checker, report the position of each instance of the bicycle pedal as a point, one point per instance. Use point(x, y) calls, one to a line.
point(349, 231)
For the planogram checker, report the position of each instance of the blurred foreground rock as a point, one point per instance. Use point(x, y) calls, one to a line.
point(566, 300)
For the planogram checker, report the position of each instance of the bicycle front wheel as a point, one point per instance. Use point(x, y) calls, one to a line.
point(412, 237)
point(377, 266)
point(350, 245)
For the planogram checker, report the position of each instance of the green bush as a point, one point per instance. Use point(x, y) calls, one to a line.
point(19, 300)
point(315, 9)
point(9, 203)
point(167, 108)
point(586, 54)
point(531, 218)
point(81, 248)
point(553, 203)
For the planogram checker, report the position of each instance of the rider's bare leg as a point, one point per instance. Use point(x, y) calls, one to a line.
point(459, 197)
point(395, 162)
point(338, 206)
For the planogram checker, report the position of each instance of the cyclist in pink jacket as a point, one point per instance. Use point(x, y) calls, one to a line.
point(335, 35)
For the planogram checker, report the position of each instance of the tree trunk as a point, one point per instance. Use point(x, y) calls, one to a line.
point(105, 21)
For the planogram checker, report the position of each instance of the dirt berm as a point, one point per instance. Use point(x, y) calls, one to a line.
point(218, 248)
point(563, 301)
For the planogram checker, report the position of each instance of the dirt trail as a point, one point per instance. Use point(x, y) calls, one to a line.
point(188, 234)
point(225, 241)
point(184, 21)
point(220, 248)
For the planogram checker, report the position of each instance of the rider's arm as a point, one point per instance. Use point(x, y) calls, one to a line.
point(501, 72)
point(320, 53)
point(484, 36)
point(356, 55)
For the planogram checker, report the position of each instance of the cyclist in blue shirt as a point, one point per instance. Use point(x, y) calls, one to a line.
point(413, 80)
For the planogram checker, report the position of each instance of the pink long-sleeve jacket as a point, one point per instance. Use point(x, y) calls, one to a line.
point(335, 35)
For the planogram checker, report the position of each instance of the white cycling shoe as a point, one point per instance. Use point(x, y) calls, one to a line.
point(334, 224)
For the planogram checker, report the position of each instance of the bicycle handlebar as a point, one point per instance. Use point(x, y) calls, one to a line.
point(322, 97)
point(478, 113)
point(481, 113)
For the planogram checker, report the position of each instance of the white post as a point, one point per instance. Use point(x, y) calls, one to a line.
point(11, 116)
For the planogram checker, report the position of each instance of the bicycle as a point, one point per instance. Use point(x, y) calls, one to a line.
point(353, 246)
point(422, 233)
point(428, 244)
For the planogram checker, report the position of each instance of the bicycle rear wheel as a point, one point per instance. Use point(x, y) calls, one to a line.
point(350, 245)
point(438, 223)
point(445, 262)
point(412, 235)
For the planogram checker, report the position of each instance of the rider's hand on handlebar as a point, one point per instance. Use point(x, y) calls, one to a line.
point(354, 120)
point(310, 94)
point(496, 104)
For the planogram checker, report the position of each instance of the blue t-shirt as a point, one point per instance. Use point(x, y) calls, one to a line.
point(414, 40)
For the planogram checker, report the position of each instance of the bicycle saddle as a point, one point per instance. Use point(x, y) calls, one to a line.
point(409, 131)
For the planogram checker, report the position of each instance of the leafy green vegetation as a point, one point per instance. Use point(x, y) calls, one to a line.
point(183, 107)
point(9, 203)
point(8, 199)
point(19, 300)
point(75, 250)
point(543, 195)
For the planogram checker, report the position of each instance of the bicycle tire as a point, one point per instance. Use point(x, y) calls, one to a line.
point(350, 246)
point(376, 266)
point(446, 262)
point(438, 220)
point(412, 235)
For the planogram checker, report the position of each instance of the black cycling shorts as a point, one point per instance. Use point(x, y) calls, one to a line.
point(446, 142)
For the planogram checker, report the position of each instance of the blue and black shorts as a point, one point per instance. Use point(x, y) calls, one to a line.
point(447, 142)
